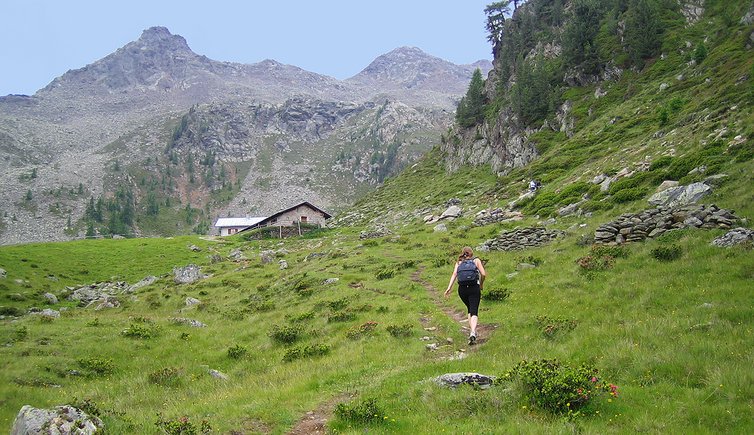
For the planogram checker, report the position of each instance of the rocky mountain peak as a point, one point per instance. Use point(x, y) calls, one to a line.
point(160, 38)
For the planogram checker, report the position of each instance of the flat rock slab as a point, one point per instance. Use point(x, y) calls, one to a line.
point(474, 379)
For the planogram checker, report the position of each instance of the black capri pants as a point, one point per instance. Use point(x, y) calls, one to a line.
point(470, 294)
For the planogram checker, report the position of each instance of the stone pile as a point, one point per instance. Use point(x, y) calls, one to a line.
point(520, 239)
point(375, 233)
point(655, 221)
point(735, 236)
point(188, 274)
point(497, 215)
point(59, 420)
point(98, 291)
point(474, 379)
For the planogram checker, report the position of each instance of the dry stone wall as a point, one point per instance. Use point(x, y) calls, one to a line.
point(652, 222)
point(520, 239)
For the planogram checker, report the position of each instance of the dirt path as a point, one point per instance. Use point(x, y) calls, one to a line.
point(483, 330)
point(313, 422)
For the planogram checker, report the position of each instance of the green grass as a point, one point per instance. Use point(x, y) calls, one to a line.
point(674, 336)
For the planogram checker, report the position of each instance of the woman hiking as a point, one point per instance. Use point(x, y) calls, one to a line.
point(470, 273)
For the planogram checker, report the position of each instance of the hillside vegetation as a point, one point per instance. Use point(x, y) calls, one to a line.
point(337, 339)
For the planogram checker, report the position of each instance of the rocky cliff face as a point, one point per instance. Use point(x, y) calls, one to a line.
point(284, 132)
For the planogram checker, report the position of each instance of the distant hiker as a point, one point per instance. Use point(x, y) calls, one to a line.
point(470, 274)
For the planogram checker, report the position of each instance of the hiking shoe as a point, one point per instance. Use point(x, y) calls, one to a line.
point(472, 339)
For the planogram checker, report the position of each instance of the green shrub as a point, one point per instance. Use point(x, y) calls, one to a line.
point(590, 263)
point(338, 304)
point(631, 194)
point(404, 330)
point(660, 163)
point(299, 352)
point(363, 412)
point(285, 334)
point(97, 366)
point(182, 426)
point(618, 251)
point(498, 294)
point(667, 253)
point(341, 316)
point(362, 330)
point(11, 311)
point(309, 315)
point(553, 326)
point(557, 387)
point(237, 351)
point(137, 330)
point(166, 377)
point(385, 272)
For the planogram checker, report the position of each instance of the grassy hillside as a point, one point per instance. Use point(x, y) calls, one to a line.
point(668, 321)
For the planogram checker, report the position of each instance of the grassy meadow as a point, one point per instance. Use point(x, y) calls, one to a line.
point(337, 339)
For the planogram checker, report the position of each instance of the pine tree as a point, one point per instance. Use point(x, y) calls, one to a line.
point(643, 31)
point(470, 110)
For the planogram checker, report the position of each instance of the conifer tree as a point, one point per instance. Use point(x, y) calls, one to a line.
point(470, 110)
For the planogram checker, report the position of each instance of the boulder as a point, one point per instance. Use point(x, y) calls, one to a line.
point(667, 184)
point(681, 195)
point(88, 293)
point(452, 201)
point(474, 379)
point(188, 274)
point(60, 420)
point(105, 302)
point(143, 283)
point(452, 212)
point(330, 281)
point(51, 298)
point(440, 228)
point(47, 312)
point(733, 237)
point(195, 248)
point(190, 302)
point(3, 274)
point(218, 374)
point(267, 257)
point(236, 255)
point(283, 264)
point(599, 179)
point(190, 322)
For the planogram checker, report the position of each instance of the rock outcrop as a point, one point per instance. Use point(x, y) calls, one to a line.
point(474, 379)
point(60, 420)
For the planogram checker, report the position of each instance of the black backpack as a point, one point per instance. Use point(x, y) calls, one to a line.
point(467, 272)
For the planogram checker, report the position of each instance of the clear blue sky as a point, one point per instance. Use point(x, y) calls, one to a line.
point(42, 39)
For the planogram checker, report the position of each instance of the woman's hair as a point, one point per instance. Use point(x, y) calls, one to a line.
point(466, 254)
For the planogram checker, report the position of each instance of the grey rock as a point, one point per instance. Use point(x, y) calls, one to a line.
point(190, 302)
point(330, 281)
point(452, 202)
point(51, 298)
point(667, 184)
point(734, 237)
point(599, 179)
point(374, 233)
point(92, 292)
point(57, 421)
point(105, 302)
point(605, 185)
point(195, 248)
point(3, 274)
point(143, 283)
point(748, 19)
point(283, 264)
point(474, 379)
point(525, 266)
point(188, 274)
point(452, 212)
point(236, 255)
point(664, 86)
point(190, 322)
point(511, 275)
point(681, 195)
point(431, 346)
point(218, 374)
point(267, 257)
point(440, 228)
point(569, 209)
point(47, 312)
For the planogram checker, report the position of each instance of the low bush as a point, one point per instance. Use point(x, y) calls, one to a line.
point(307, 351)
point(362, 412)
point(618, 251)
point(341, 316)
point(285, 334)
point(557, 387)
point(141, 331)
point(553, 326)
point(11, 311)
point(385, 273)
point(497, 294)
point(97, 366)
point(404, 330)
point(631, 194)
point(591, 263)
point(166, 377)
point(237, 351)
point(182, 426)
point(338, 304)
point(667, 253)
point(308, 315)
point(363, 330)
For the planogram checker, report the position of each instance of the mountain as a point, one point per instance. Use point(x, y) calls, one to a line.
point(113, 125)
